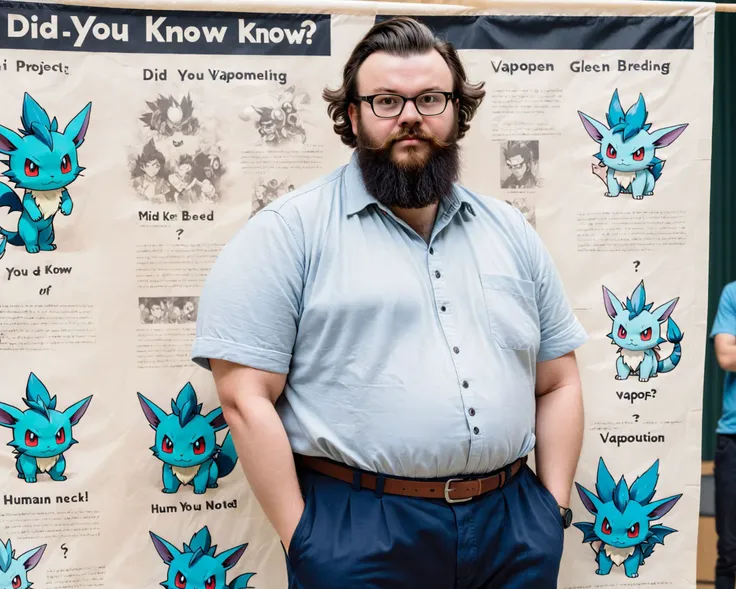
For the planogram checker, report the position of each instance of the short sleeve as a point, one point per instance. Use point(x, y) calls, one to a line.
point(561, 332)
point(725, 319)
point(250, 303)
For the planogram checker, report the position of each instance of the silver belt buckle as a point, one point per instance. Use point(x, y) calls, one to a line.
point(447, 491)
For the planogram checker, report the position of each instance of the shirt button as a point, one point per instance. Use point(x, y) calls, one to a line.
point(431, 250)
point(443, 308)
point(465, 384)
point(476, 430)
point(456, 350)
point(437, 273)
point(471, 411)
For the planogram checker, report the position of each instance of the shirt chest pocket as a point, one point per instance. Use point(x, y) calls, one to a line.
point(511, 307)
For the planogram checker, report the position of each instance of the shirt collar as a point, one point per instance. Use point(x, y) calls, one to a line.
point(358, 198)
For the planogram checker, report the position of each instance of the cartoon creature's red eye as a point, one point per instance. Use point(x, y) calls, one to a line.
point(633, 531)
point(167, 445)
point(16, 582)
point(610, 152)
point(606, 527)
point(199, 446)
point(31, 168)
point(31, 438)
point(180, 581)
point(646, 335)
point(60, 436)
point(621, 331)
point(66, 164)
point(639, 154)
point(210, 583)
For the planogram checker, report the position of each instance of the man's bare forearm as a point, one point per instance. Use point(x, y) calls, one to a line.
point(267, 460)
point(726, 356)
point(559, 439)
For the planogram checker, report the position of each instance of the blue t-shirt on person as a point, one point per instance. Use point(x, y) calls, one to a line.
point(725, 322)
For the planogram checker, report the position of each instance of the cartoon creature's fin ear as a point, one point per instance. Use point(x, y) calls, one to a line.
point(10, 141)
point(230, 558)
point(76, 411)
point(590, 501)
point(166, 550)
point(216, 419)
point(595, 129)
point(667, 136)
point(615, 112)
point(643, 488)
point(9, 415)
point(660, 508)
point(663, 312)
point(77, 127)
point(605, 485)
point(202, 540)
point(612, 304)
point(154, 414)
point(30, 559)
point(35, 389)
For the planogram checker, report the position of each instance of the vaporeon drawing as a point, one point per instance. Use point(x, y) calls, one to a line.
point(186, 444)
point(622, 532)
point(41, 433)
point(197, 566)
point(627, 148)
point(14, 570)
point(636, 332)
point(43, 162)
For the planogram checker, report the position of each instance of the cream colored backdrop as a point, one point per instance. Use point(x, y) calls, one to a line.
point(223, 126)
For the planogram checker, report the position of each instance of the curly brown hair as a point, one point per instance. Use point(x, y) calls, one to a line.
point(400, 36)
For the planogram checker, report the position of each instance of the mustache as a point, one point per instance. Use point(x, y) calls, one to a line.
point(413, 133)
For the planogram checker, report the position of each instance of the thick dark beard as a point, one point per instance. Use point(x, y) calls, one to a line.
point(408, 187)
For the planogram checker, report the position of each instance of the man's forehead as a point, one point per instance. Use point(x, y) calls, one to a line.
point(383, 72)
point(515, 159)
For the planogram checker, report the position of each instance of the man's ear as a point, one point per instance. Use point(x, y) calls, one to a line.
point(353, 114)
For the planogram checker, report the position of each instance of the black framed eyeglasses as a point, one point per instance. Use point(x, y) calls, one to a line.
point(389, 106)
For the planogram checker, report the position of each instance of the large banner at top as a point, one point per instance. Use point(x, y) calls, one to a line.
point(138, 140)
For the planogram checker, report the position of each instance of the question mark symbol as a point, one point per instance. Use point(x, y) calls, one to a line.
point(179, 232)
point(654, 392)
point(64, 549)
point(312, 27)
point(636, 265)
point(636, 417)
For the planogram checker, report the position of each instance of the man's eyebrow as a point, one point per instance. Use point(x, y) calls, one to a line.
point(392, 91)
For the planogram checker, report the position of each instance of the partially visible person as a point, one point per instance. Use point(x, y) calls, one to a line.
point(723, 333)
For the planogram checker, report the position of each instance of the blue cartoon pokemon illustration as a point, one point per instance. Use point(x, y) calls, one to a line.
point(43, 162)
point(627, 148)
point(14, 570)
point(622, 532)
point(186, 444)
point(41, 433)
point(636, 332)
point(198, 566)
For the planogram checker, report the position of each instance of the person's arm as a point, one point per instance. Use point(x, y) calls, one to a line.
point(725, 345)
point(248, 397)
point(559, 425)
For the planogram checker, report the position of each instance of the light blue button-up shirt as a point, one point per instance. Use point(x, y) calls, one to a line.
point(404, 357)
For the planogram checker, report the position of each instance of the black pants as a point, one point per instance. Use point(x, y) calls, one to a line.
point(725, 479)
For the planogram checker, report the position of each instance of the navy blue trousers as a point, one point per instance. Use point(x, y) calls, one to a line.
point(510, 538)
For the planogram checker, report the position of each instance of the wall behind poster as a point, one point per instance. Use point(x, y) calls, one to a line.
point(188, 123)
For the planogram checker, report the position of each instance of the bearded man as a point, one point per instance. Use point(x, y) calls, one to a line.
point(388, 347)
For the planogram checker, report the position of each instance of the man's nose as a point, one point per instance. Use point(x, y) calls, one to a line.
point(410, 115)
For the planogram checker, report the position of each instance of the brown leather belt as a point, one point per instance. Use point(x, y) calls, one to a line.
point(453, 490)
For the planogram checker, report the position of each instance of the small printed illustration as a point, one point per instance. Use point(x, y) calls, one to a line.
point(522, 203)
point(626, 161)
point(186, 443)
point(180, 161)
point(265, 192)
point(198, 565)
point(14, 570)
point(280, 121)
point(42, 162)
point(168, 309)
point(622, 532)
point(636, 330)
point(519, 164)
point(41, 433)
